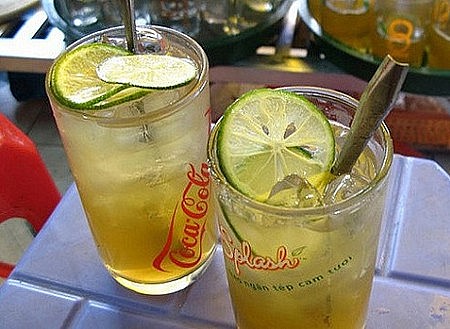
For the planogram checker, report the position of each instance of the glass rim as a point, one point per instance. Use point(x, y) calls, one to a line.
point(335, 208)
point(163, 112)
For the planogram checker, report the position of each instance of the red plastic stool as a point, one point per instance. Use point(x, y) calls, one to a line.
point(27, 190)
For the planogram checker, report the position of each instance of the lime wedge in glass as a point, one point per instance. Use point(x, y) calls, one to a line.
point(268, 135)
point(148, 71)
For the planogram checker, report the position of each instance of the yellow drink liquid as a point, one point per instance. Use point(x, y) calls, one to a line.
point(134, 191)
point(327, 276)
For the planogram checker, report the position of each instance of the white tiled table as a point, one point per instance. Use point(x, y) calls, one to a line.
point(61, 283)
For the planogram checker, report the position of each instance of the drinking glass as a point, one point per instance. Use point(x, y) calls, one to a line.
point(401, 30)
point(305, 267)
point(140, 168)
point(349, 21)
point(439, 36)
point(81, 13)
point(182, 15)
point(235, 16)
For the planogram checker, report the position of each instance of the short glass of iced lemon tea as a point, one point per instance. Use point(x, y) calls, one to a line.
point(299, 243)
point(135, 128)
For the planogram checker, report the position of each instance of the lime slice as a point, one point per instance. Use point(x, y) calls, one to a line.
point(123, 95)
point(268, 135)
point(148, 71)
point(74, 79)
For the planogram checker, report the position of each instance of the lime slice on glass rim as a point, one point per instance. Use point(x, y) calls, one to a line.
point(99, 75)
point(267, 135)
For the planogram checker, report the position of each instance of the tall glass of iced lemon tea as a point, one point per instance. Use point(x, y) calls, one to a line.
point(135, 130)
point(299, 243)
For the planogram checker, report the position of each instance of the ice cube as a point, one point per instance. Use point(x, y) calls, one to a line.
point(343, 187)
point(294, 192)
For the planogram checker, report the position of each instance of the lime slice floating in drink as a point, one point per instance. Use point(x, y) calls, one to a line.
point(268, 135)
point(148, 71)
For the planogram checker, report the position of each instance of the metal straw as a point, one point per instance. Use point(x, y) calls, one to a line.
point(130, 24)
point(132, 45)
point(375, 104)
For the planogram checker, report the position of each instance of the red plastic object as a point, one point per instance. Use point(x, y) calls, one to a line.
point(26, 188)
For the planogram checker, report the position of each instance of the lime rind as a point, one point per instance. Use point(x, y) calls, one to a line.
point(148, 71)
point(122, 96)
point(269, 134)
point(74, 79)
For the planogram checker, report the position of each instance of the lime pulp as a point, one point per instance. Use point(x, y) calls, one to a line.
point(268, 135)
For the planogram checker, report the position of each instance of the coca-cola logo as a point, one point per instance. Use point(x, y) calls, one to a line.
point(186, 250)
point(243, 255)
